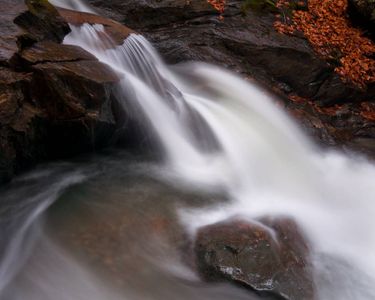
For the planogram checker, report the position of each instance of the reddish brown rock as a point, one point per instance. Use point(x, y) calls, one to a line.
point(115, 30)
point(269, 256)
point(70, 90)
point(55, 100)
point(24, 22)
point(48, 51)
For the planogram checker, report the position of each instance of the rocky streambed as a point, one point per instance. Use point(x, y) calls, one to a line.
point(123, 220)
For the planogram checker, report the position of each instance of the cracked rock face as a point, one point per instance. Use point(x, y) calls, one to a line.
point(269, 256)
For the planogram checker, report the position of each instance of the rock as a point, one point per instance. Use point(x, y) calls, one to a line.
point(268, 255)
point(73, 89)
point(150, 13)
point(115, 30)
point(23, 23)
point(248, 43)
point(364, 9)
point(52, 52)
point(10, 32)
point(55, 100)
point(41, 21)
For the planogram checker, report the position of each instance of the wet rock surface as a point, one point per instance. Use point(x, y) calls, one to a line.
point(117, 32)
point(329, 109)
point(268, 255)
point(55, 100)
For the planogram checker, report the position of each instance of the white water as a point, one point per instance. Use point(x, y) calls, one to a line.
point(77, 5)
point(256, 154)
point(263, 162)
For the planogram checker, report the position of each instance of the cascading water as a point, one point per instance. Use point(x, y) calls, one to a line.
point(255, 155)
point(77, 5)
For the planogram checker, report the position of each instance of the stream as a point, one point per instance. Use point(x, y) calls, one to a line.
point(119, 226)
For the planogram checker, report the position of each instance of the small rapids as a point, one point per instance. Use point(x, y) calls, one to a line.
point(223, 142)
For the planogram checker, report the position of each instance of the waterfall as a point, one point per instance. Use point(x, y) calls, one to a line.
point(218, 132)
point(248, 127)
point(77, 5)
point(262, 159)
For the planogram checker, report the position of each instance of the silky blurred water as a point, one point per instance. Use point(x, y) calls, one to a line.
point(123, 228)
point(112, 233)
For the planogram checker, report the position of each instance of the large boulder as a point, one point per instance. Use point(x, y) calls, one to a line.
point(268, 255)
point(55, 100)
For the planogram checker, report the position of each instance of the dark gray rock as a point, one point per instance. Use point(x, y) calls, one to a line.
point(269, 256)
point(249, 44)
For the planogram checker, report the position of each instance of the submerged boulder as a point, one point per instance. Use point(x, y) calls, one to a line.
point(269, 256)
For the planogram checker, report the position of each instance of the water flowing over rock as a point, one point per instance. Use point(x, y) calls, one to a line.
point(269, 255)
point(55, 100)
point(334, 112)
point(117, 32)
point(247, 44)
